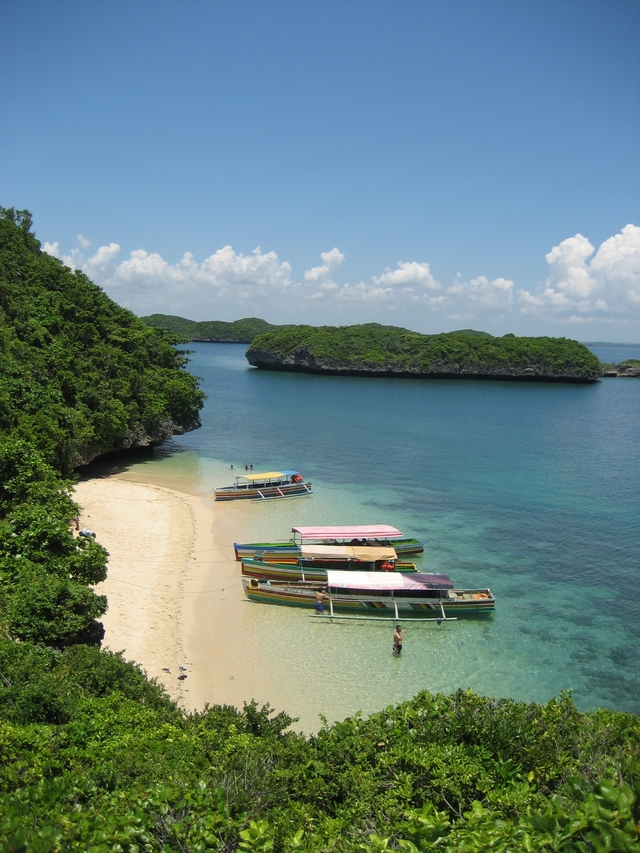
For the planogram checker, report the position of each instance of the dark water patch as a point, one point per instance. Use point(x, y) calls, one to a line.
point(582, 620)
point(623, 656)
point(584, 655)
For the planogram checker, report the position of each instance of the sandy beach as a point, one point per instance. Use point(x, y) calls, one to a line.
point(175, 597)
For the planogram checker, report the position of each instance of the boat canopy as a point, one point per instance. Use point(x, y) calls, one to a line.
point(270, 475)
point(363, 531)
point(358, 553)
point(386, 581)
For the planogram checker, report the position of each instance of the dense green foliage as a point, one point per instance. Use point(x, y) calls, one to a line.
point(78, 374)
point(45, 572)
point(95, 757)
point(98, 759)
point(374, 346)
point(240, 331)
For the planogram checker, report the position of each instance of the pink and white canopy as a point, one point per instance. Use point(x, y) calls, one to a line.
point(363, 531)
point(386, 581)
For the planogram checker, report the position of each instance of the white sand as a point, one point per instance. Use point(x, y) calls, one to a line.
point(175, 595)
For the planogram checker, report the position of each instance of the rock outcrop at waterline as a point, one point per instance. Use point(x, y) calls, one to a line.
point(373, 350)
point(630, 370)
point(134, 439)
point(304, 362)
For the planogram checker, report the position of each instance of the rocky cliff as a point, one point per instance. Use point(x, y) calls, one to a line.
point(372, 350)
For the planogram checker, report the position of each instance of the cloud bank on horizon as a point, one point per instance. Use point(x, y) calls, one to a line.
point(581, 287)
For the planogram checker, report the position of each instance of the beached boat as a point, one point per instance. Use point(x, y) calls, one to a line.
point(266, 486)
point(371, 535)
point(377, 595)
point(315, 560)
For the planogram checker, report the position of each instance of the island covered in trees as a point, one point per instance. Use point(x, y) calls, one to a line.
point(95, 757)
point(374, 350)
point(218, 331)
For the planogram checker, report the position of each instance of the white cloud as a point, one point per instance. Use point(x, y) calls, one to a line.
point(409, 274)
point(479, 297)
point(579, 290)
point(147, 282)
point(331, 262)
point(322, 276)
point(582, 285)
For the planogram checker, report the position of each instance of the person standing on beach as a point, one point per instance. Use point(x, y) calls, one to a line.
point(321, 595)
point(398, 638)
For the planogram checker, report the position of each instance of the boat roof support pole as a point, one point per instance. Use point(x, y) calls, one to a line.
point(395, 604)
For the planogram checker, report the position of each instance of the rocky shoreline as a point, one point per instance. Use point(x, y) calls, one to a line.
point(302, 360)
point(135, 439)
point(621, 370)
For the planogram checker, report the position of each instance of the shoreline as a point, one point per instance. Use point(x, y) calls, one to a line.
point(174, 592)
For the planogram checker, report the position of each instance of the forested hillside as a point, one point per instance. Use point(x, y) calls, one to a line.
point(97, 758)
point(238, 331)
point(80, 375)
point(372, 349)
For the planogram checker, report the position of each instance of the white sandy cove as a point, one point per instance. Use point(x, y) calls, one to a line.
point(175, 595)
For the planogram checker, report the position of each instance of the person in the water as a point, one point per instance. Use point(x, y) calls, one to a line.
point(398, 638)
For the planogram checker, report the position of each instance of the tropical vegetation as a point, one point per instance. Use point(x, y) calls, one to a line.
point(372, 347)
point(238, 331)
point(96, 757)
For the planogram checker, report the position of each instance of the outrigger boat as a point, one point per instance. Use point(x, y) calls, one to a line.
point(261, 487)
point(376, 595)
point(314, 561)
point(367, 535)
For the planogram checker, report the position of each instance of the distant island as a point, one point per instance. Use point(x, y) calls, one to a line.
point(609, 344)
point(219, 331)
point(375, 350)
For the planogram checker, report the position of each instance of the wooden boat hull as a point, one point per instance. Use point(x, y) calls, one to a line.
point(288, 552)
point(255, 493)
point(295, 572)
point(471, 602)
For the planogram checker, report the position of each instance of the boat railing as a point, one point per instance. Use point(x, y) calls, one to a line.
point(396, 618)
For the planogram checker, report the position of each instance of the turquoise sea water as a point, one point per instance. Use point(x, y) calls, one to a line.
point(530, 489)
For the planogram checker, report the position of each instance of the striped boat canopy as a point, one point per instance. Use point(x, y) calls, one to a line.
point(363, 531)
point(358, 553)
point(387, 581)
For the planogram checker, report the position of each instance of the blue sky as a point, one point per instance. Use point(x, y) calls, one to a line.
point(436, 165)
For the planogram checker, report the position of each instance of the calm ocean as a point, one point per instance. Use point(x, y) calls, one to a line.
point(530, 489)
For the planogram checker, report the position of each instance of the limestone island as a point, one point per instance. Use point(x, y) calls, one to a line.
point(374, 350)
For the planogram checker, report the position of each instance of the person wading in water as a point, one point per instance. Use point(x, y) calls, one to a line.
point(398, 637)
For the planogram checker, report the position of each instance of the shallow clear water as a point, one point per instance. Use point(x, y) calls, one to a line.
point(530, 489)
